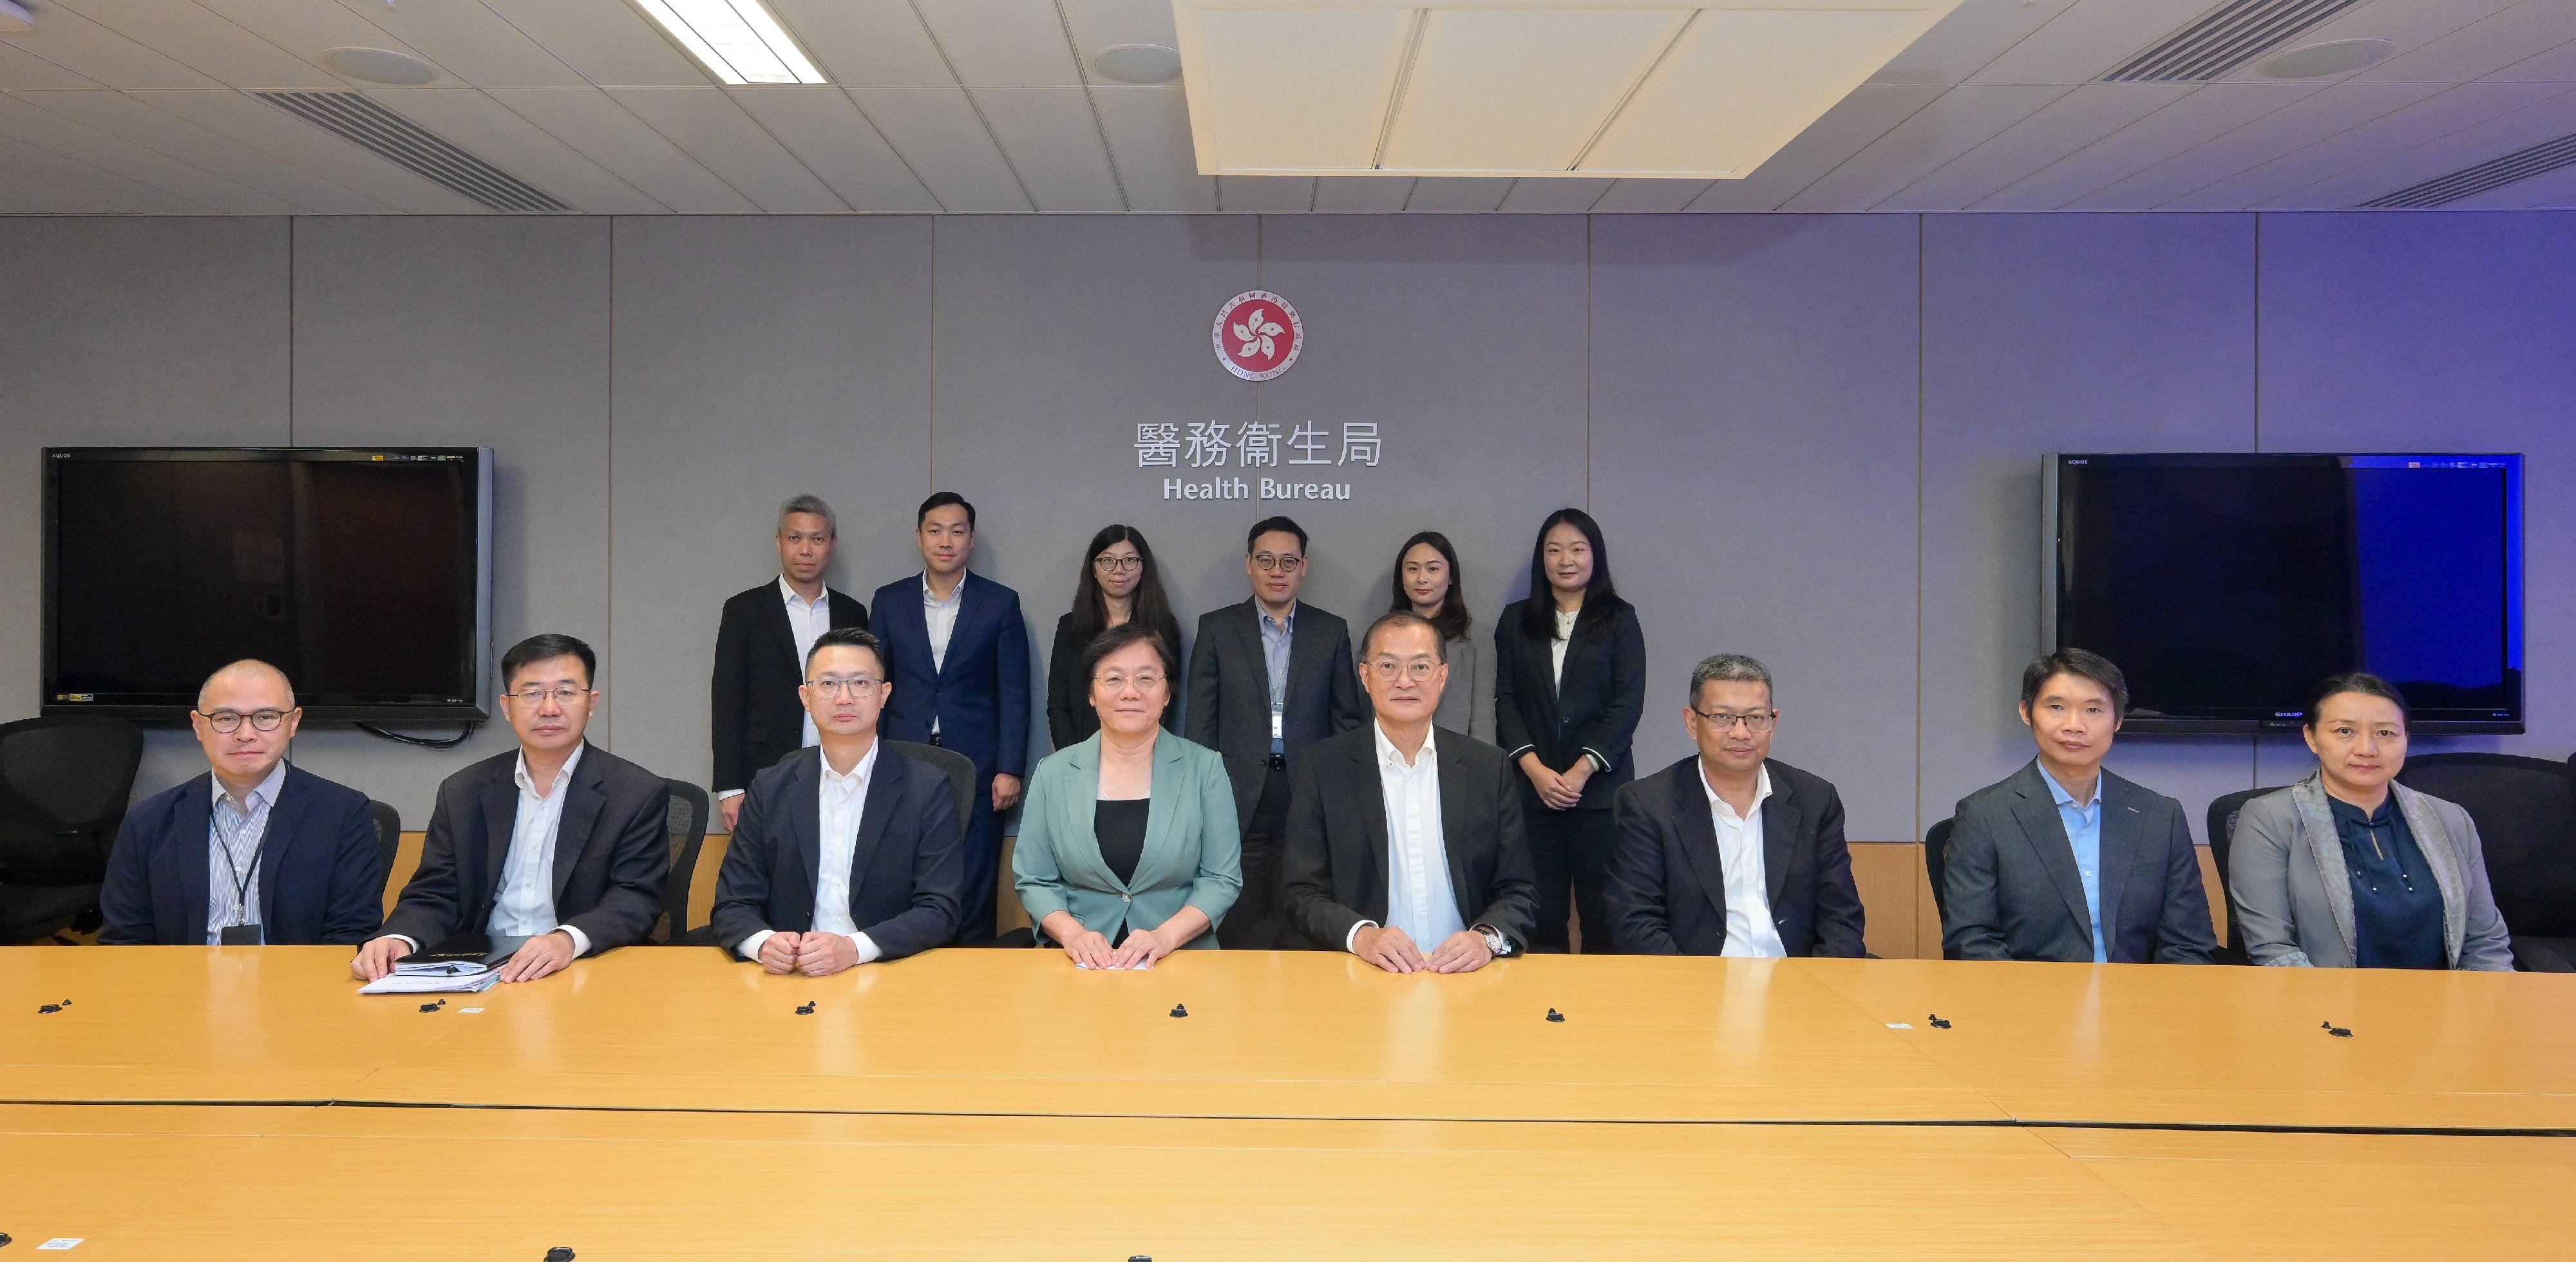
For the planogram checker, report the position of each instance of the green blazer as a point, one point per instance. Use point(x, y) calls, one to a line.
point(1193, 853)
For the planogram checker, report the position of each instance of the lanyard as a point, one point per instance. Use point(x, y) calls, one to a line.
point(242, 877)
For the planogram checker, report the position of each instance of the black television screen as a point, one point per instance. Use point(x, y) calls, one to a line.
point(2226, 586)
point(364, 574)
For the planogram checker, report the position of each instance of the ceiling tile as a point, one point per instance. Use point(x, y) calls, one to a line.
point(88, 49)
point(1738, 86)
point(1051, 141)
point(608, 41)
point(834, 141)
point(272, 131)
point(305, 28)
point(939, 136)
point(1099, 24)
point(2556, 64)
point(2214, 110)
point(1149, 132)
point(187, 33)
point(22, 69)
point(1975, 33)
point(2089, 40)
point(866, 43)
point(472, 42)
point(131, 119)
point(1451, 195)
point(1346, 60)
point(1649, 197)
point(1268, 194)
point(2447, 111)
point(600, 129)
point(94, 191)
point(1512, 89)
point(1853, 124)
point(708, 126)
point(2459, 128)
point(45, 129)
point(2069, 123)
point(1363, 194)
point(1002, 43)
point(2458, 40)
point(1960, 120)
point(2314, 117)
point(495, 128)
point(1555, 195)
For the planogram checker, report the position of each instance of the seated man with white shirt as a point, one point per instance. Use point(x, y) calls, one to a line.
point(1729, 851)
point(559, 842)
point(1405, 843)
point(847, 852)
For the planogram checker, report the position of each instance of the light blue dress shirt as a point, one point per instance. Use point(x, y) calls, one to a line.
point(2084, 833)
point(1276, 635)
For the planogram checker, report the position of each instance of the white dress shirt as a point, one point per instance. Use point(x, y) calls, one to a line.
point(845, 800)
point(1556, 647)
point(1419, 897)
point(1750, 931)
point(806, 621)
point(232, 855)
point(941, 618)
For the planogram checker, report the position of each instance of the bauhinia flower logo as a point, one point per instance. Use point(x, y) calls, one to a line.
point(1258, 335)
point(1257, 332)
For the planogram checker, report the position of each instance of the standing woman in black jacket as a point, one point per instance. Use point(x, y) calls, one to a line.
point(1118, 583)
point(1569, 685)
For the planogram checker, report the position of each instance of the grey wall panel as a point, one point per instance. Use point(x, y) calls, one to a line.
point(489, 332)
point(143, 331)
point(2060, 333)
point(756, 358)
point(1753, 463)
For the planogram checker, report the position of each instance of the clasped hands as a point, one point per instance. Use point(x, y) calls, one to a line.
point(1557, 791)
point(1142, 949)
point(1389, 948)
point(816, 953)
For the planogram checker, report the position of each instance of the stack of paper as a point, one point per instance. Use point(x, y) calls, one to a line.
point(445, 977)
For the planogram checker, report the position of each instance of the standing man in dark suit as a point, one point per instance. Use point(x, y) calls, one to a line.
point(760, 652)
point(558, 842)
point(1268, 678)
point(1405, 843)
point(958, 655)
point(848, 853)
point(2065, 861)
point(253, 852)
point(1729, 851)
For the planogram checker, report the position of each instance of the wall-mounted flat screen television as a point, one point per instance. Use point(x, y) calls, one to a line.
point(364, 574)
point(2226, 586)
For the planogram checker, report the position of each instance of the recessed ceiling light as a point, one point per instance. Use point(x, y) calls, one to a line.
point(14, 18)
point(738, 41)
point(2316, 61)
point(1139, 63)
point(378, 65)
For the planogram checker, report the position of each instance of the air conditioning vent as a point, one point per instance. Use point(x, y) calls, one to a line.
point(358, 119)
point(2487, 176)
point(2224, 38)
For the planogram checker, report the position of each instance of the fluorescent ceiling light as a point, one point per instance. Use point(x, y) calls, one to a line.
point(736, 40)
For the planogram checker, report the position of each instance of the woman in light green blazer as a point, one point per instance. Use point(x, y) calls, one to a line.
point(1128, 847)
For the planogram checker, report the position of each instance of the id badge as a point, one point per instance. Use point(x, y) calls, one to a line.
point(241, 935)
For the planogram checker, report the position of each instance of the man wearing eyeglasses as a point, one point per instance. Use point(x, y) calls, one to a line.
point(1268, 678)
point(846, 853)
point(254, 852)
point(1730, 851)
point(559, 842)
point(1406, 845)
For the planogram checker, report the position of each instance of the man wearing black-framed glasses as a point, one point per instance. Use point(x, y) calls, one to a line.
point(254, 852)
point(1731, 851)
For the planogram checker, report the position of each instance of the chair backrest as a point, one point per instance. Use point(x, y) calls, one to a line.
point(2222, 834)
point(1936, 860)
point(2525, 810)
point(388, 832)
point(687, 830)
point(959, 768)
point(73, 773)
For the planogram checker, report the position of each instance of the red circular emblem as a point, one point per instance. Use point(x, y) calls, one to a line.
point(1258, 335)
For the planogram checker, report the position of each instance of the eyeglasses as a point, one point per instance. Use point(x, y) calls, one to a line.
point(1268, 563)
point(564, 695)
point(1418, 670)
point(1117, 565)
point(1756, 723)
point(833, 686)
point(230, 721)
point(1144, 680)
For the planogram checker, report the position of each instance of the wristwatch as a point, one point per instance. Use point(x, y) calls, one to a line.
point(1494, 940)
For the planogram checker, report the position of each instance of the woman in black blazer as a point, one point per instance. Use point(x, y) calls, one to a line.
point(1118, 583)
point(1569, 685)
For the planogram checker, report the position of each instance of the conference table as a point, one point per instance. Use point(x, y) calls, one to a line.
point(670, 1103)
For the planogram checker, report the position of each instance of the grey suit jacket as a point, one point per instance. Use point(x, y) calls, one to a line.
point(2294, 895)
point(2014, 893)
point(1229, 693)
point(1468, 705)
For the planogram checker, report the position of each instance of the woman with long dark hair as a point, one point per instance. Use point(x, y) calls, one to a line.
point(1569, 685)
point(1118, 585)
point(1426, 583)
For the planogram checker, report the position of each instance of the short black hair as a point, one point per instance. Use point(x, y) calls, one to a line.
point(847, 638)
point(1404, 618)
point(1132, 631)
point(1269, 524)
point(538, 648)
point(943, 499)
point(2360, 681)
point(2083, 664)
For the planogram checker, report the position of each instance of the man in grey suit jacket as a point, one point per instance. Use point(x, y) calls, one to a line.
point(2065, 861)
point(1268, 678)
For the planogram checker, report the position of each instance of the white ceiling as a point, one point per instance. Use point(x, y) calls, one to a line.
point(988, 106)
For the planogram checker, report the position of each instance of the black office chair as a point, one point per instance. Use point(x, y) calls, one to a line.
point(687, 830)
point(388, 834)
point(960, 771)
point(1936, 860)
point(2222, 834)
point(63, 789)
point(2525, 810)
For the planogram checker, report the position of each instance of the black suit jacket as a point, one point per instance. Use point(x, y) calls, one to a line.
point(753, 715)
point(1070, 718)
point(1335, 865)
point(1229, 693)
point(1667, 890)
point(1595, 707)
point(907, 872)
point(2014, 893)
point(321, 869)
point(612, 852)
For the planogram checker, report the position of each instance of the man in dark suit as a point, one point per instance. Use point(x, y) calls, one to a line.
point(958, 655)
point(760, 653)
point(1268, 678)
point(1405, 847)
point(1730, 852)
point(558, 842)
point(848, 853)
point(2065, 861)
point(255, 851)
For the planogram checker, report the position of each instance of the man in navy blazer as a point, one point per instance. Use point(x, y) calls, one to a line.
point(959, 661)
point(846, 853)
point(255, 851)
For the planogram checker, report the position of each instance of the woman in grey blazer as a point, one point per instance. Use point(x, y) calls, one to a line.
point(2348, 869)
point(1128, 846)
point(1427, 584)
